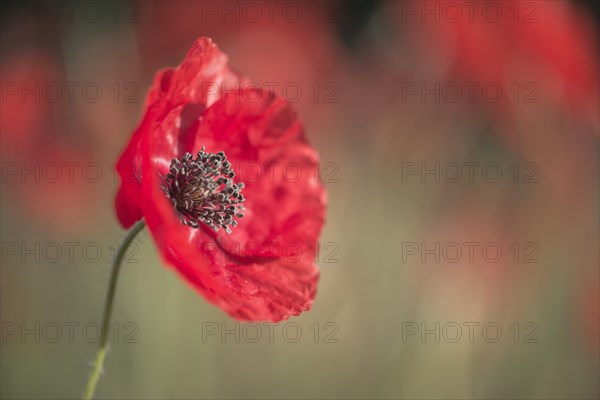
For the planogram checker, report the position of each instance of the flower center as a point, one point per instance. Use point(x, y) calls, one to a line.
point(201, 190)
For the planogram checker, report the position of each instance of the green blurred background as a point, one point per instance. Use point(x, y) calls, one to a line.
point(367, 72)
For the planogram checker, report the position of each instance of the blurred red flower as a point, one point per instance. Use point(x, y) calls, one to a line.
point(538, 51)
point(42, 166)
point(251, 272)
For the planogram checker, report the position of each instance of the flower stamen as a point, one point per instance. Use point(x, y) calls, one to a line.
point(201, 190)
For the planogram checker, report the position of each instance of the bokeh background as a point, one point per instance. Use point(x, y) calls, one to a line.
point(378, 96)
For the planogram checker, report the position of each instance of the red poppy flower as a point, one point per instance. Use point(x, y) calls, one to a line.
point(247, 248)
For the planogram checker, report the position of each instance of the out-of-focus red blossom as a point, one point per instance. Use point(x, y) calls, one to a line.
point(23, 116)
point(35, 148)
point(182, 114)
point(550, 43)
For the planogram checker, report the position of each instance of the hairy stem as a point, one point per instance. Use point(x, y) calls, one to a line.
point(108, 307)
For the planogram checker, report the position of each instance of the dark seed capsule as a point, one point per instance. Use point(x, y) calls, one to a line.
point(192, 186)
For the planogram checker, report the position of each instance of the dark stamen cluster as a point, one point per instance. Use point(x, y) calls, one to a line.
point(201, 190)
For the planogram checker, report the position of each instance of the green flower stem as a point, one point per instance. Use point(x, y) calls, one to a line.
point(110, 296)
